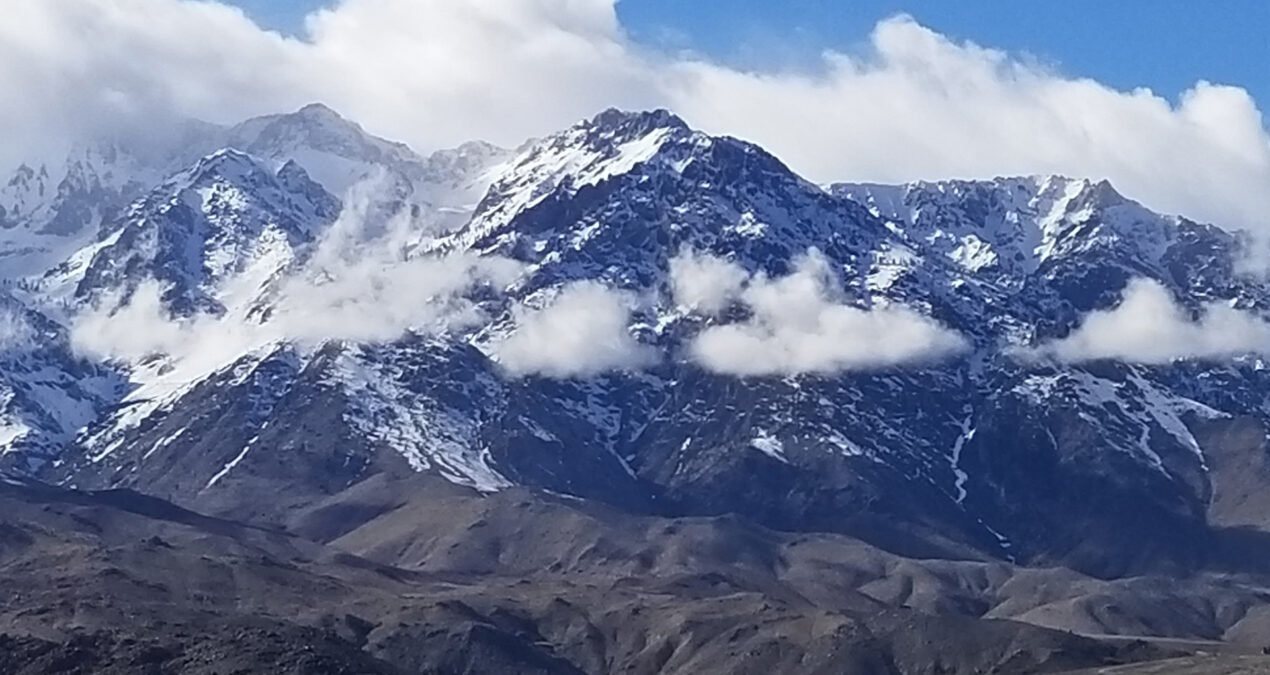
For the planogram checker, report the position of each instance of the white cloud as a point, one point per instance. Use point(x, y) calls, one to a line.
point(705, 283)
point(1149, 326)
point(139, 327)
point(920, 105)
point(582, 332)
point(430, 72)
point(129, 330)
point(362, 284)
point(913, 104)
point(799, 324)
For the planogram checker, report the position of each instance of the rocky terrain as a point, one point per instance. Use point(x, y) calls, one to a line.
point(115, 580)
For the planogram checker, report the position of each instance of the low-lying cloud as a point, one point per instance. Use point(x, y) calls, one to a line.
point(705, 283)
point(363, 284)
point(134, 328)
point(800, 323)
point(582, 332)
point(1149, 326)
point(912, 104)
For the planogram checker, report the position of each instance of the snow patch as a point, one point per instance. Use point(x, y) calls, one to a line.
point(769, 445)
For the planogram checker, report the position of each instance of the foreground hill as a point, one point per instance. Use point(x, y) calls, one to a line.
point(104, 582)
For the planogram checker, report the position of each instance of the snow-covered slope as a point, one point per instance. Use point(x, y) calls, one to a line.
point(336, 152)
point(339, 155)
point(199, 230)
point(45, 214)
point(211, 229)
point(1016, 226)
point(51, 210)
point(47, 395)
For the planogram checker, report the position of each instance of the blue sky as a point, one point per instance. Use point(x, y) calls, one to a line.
point(1163, 44)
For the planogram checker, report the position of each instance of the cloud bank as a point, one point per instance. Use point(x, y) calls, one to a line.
point(912, 104)
point(1150, 327)
point(582, 332)
point(799, 324)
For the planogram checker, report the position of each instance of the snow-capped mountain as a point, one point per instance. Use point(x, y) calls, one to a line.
point(1017, 225)
point(336, 152)
point(49, 211)
point(46, 214)
point(339, 154)
point(201, 229)
point(193, 215)
point(1108, 467)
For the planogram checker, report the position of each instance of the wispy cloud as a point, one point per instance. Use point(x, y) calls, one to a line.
point(1150, 327)
point(581, 332)
point(705, 283)
point(799, 323)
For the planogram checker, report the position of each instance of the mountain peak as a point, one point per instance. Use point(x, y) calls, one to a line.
point(224, 163)
point(478, 148)
point(313, 122)
point(468, 154)
point(631, 124)
point(1093, 192)
point(319, 116)
point(317, 110)
point(335, 151)
point(1010, 222)
point(294, 178)
point(1002, 190)
point(1104, 194)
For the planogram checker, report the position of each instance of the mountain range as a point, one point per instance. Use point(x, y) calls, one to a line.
point(628, 398)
